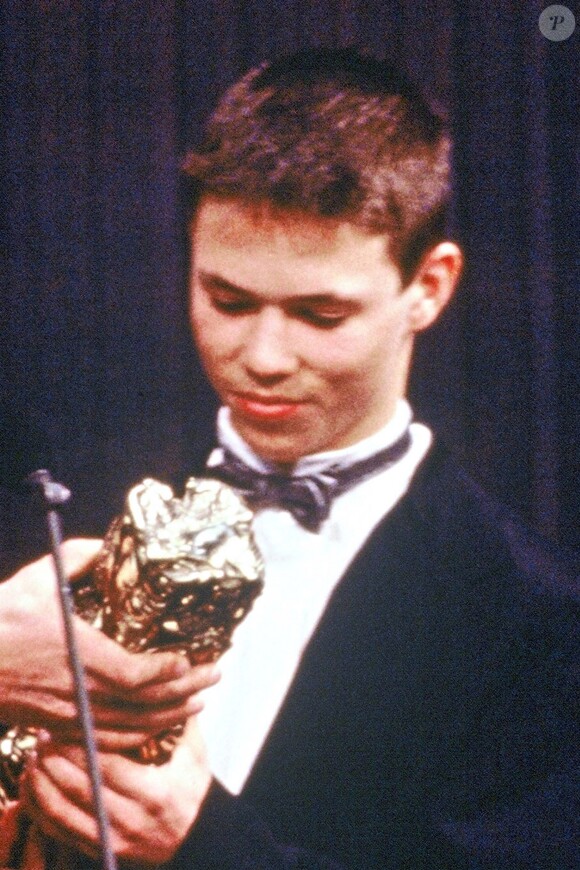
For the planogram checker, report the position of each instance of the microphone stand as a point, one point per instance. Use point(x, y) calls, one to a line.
point(54, 495)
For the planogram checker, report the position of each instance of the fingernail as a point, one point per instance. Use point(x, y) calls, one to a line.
point(194, 704)
point(182, 666)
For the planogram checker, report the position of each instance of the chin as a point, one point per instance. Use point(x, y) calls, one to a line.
point(274, 443)
point(277, 450)
point(279, 456)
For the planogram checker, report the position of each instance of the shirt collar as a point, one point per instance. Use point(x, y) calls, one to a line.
point(316, 462)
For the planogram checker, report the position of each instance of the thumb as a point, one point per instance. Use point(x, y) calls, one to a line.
point(31, 584)
point(78, 554)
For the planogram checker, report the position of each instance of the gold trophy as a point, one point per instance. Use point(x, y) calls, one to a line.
point(173, 574)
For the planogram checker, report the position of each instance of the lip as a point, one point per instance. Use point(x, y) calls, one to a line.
point(265, 407)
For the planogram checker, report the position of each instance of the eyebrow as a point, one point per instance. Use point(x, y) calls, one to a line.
point(324, 297)
point(221, 284)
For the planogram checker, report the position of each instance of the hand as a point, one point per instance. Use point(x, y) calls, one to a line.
point(150, 808)
point(132, 695)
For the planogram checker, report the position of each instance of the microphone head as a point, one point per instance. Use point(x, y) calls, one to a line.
point(54, 493)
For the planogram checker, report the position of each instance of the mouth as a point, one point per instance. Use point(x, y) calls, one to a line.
point(265, 407)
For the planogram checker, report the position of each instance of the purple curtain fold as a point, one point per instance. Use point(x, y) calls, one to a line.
point(99, 101)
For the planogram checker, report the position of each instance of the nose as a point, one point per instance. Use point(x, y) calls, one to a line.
point(268, 351)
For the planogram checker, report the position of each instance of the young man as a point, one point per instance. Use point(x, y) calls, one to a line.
point(399, 697)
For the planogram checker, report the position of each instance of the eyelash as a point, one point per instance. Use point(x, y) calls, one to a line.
point(320, 321)
point(231, 307)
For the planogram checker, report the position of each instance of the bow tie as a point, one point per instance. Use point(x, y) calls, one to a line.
point(307, 497)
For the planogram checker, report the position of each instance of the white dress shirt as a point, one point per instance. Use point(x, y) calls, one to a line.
point(302, 569)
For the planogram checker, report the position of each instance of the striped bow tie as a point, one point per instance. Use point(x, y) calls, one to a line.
point(307, 497)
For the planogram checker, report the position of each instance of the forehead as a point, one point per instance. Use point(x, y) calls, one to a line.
point(231, 221)
point(227, 232)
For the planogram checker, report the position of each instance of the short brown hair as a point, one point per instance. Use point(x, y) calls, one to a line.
point(336, 133)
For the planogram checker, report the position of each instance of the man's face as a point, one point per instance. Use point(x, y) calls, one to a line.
point(302, 325)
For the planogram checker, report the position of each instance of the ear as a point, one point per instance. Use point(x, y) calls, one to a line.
point(433, 284)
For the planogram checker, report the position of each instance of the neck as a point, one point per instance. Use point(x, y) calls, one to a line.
point(378, 440)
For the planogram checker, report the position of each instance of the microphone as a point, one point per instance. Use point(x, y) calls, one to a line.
point(54, 495)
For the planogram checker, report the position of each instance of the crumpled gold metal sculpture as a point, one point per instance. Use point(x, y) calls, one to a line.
point(176, 574)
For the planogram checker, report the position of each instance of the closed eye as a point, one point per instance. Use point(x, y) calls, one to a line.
point(232, 306)
point(321, 319)
point(322, 311)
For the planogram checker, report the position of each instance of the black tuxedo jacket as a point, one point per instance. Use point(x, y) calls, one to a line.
point(430, 724)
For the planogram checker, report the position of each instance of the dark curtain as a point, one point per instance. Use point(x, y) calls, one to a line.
point(100, 100)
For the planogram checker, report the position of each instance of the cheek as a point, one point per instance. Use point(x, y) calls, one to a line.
point(359, 376)
point(212, 339)
point(351, 356)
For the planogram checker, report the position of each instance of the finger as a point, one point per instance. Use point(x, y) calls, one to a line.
point(150, 808)
point(190, 750)
point(126, 727)
point(113, 741)
point(135, 719)
point(107, 740)
point(112, 669)
point(54, 759)
point(120, 734)
point(66, 765)
point(121, 741)
point(192, 680)
point(65, 820)
point(62, 718)
point(141, 679)
point(146, 673)
point(78, 554)
point(188, 762)
point(37, 578)
point(130, 737)
point(58, 798)
point(133, 712)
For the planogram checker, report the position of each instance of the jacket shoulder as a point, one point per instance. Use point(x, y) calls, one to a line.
point(461, 522)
